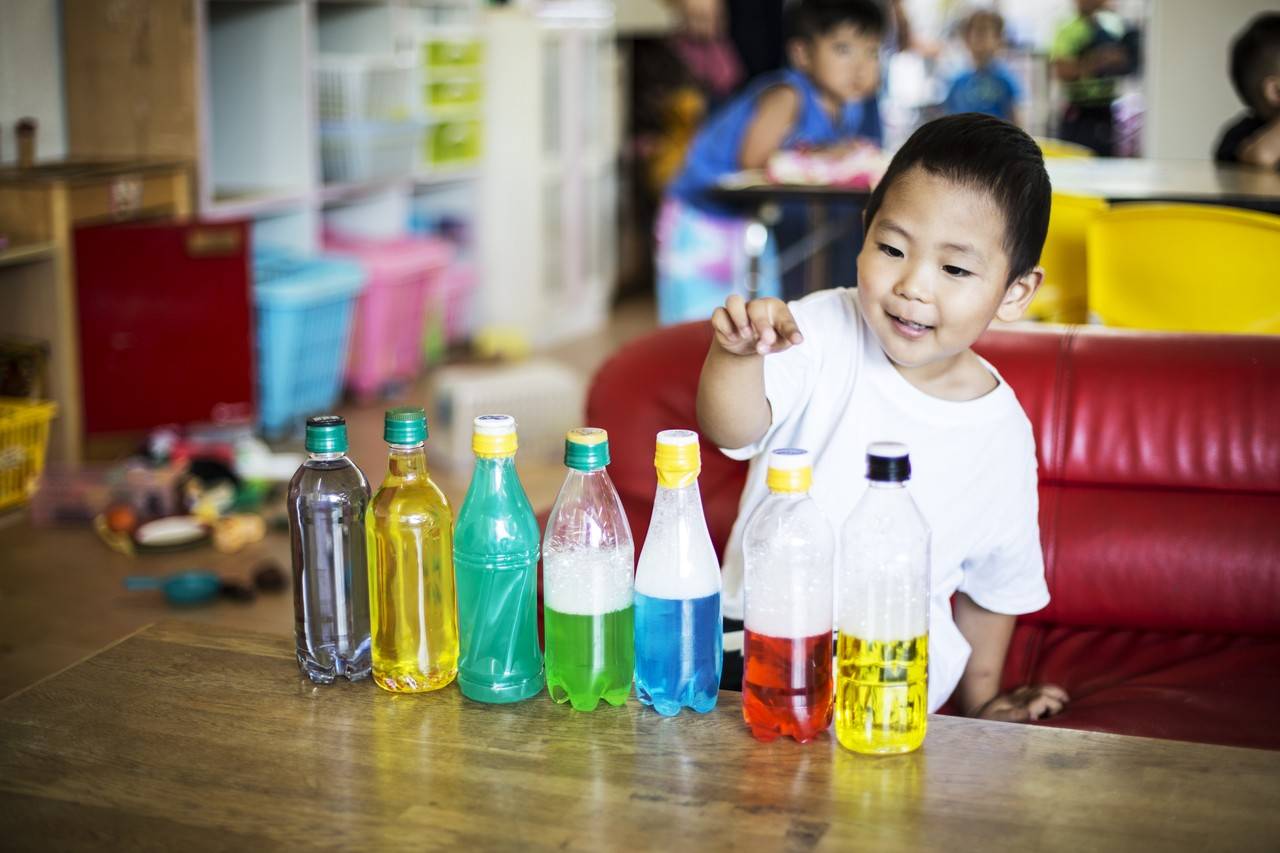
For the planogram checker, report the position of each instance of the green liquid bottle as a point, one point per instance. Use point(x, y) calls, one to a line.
point(409, 528)
point(495, 558)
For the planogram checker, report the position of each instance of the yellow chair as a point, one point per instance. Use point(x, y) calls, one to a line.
point(1185, 268)
point(1062, 297)
point(1060, 149)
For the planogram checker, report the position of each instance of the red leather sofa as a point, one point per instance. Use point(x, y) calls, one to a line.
point(1159, 514)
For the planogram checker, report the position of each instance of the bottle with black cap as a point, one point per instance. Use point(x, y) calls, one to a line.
point(328, 497)
point(882, 648)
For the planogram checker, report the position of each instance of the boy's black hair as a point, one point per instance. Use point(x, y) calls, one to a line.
point(991, 156)
point(1254, 54)
point(989, 16)
point(808, 19)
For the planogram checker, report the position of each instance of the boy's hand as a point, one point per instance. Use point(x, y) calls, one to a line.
point(1036, 702)
point(758, 327)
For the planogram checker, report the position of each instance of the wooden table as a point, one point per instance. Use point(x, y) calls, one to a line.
point(185, 736)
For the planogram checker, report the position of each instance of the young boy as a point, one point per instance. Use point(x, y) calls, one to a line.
point(1254, 139)
point(953, 236)
point(825, 98)
point(989, 87)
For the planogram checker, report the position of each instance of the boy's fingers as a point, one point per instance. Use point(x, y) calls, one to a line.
point(1055, 692)
point(787, 328)
point(723, 325)
point(737, 311)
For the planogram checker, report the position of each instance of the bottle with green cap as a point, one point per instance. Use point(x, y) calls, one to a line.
point(327, 501)
point(588, 562)
point(410, 533)
point(495, 555)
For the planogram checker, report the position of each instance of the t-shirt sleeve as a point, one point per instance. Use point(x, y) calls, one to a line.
point(787, 378)
point(1234, 137)
point(1012, 89)
point(1067, 42)
point(1007, 575)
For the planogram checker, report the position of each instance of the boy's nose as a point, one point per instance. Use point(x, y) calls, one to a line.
point(913, 285)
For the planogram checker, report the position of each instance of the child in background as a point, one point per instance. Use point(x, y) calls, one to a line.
point(989, 88)
point(1254, 138)
point(953, 237)
point(1089, 54)
point(827, 97)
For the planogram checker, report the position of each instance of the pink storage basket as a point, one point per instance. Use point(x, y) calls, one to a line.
point(386, 338)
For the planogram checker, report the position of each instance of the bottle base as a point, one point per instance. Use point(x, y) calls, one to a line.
point(352, 670)
point(484, 690)
point(669, 707)
point(894, 747)
point(413, 682)
point(589, 701)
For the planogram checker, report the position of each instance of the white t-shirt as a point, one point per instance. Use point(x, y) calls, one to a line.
point(973, 469)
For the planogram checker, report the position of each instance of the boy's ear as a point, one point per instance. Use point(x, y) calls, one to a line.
point(1271, 90)
point(1018, 296)
point(798, 54)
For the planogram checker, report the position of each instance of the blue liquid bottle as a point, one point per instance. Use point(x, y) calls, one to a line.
point(679, 635)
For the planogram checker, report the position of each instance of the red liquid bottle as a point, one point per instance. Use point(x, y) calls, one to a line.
point(788, 551)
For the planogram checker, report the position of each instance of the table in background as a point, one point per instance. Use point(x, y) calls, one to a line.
point(186, 736)
point(1121, 180)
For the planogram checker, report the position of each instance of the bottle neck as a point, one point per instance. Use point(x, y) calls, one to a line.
point(780, 493)
point(684, 499)
point(888, 484)
point(407, 461)
point(326, 457)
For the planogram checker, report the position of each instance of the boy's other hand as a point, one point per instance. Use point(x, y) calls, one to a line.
point(1037, 702)
point(758, 327)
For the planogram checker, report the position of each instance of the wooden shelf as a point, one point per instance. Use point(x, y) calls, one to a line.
point(26, 253)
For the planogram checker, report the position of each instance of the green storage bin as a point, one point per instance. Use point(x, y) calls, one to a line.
point(457, 93)
point(452, 53)
point(452, 143)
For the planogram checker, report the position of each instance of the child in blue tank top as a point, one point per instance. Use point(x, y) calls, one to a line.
point(825, 99)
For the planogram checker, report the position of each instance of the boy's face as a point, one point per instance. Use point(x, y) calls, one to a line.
point(844, 63)
point(932, 273)
point(983, 40)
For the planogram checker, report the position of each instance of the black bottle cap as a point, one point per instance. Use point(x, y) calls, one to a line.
point(888, 462)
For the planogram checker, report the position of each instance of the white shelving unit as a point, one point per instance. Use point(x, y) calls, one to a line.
point(548, 185)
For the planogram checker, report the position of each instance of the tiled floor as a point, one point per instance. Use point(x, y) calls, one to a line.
point(61, 592)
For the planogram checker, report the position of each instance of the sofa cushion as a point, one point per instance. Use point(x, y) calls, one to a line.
point(1213, 688)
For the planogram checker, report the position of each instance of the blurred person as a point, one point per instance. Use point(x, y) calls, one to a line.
point(1089, 54)
point(1253, 139)
point(988, 87)
point(827, 97)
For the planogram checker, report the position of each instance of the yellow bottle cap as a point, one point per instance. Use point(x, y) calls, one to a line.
point(677, 458)
point(790, 471)
point(494, 435)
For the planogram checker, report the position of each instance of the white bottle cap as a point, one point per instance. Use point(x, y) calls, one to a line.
point(494, 425)
point(789, 459)
point(887, 449)
point(677, 437)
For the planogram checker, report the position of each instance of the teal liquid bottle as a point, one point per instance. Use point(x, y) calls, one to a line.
point(495, 559)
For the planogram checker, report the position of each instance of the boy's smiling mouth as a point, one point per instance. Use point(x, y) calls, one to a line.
point(908, 328)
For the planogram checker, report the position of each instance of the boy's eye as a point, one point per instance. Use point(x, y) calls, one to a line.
point(889, 250)
point(958, 272)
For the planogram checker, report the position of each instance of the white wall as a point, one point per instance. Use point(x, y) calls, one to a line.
point(1189, 94)
point(31, 75)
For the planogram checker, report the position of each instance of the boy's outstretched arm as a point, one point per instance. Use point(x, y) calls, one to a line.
point(775, 114)
point(978, 693)
point(733, 410)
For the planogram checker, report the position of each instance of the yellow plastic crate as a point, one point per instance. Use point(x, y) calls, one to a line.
point(24, 437)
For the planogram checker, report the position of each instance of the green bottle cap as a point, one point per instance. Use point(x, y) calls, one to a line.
point(586, 449)
point(327, 434)
point(405, 425)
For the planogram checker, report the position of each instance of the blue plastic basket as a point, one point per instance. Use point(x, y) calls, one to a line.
point(304, 310)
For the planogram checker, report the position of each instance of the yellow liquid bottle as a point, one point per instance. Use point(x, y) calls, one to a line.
point(881, 694)
point(882, 647)
point(412, 605)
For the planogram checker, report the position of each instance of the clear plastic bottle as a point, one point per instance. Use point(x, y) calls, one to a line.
point(410, 533)
point(679, 633)
point(327, 500)
point(588, 564)
point(789, 565)
point(495, 556)
point(882, 651)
